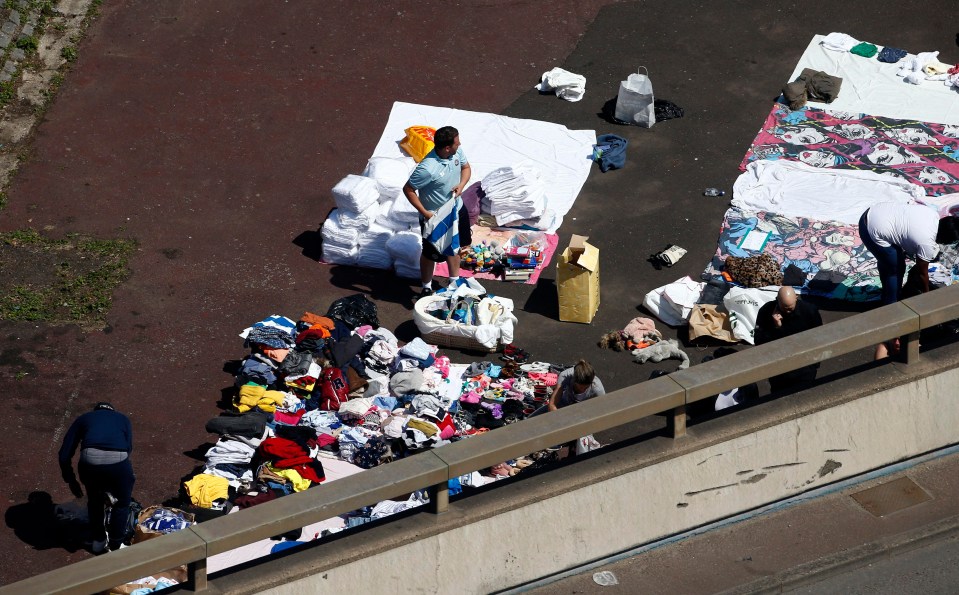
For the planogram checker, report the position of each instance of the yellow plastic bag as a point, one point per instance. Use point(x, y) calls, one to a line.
point(418, 142)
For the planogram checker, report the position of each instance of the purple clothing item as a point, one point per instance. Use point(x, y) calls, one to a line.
point(471, 200)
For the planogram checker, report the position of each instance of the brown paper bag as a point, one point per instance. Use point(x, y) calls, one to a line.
point(706, 320)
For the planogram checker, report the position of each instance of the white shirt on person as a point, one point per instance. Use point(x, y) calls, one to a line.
point(912, 227)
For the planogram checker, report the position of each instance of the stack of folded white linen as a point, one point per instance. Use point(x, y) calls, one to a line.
point(359, 221)
point(405, 247)
point(357, 206)
point(371, 212)
point(513, 194)
point(340, 244)
point(390, 176)
point(355, 193)
point(398, 214)
point(372, 252)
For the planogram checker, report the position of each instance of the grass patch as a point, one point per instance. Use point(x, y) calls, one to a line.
point(28, 43)
point(68, 281)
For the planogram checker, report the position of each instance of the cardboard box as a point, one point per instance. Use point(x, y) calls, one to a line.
point(577, 281)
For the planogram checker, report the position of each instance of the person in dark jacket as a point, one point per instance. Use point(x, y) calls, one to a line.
point(782, 317)
point(105, 439)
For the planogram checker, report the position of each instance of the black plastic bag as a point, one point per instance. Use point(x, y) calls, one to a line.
point(354, 311)
point(666, 110)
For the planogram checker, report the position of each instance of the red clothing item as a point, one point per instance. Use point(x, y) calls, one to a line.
point(276, 449)
point(314, 332)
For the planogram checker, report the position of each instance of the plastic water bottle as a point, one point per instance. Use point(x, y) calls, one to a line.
point(713, 192)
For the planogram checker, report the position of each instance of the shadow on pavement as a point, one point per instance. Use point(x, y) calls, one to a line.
point(42, 524)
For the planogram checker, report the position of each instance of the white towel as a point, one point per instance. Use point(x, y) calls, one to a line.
point(333, 233)
point(839, 42)
point(355, 193)
point(390, 175)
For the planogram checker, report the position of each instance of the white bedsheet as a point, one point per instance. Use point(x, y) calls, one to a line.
point(490, 141)
point(872, 87)
point(799, 190)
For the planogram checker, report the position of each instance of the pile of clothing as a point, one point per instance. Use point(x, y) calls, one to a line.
point(913, 68)
point(341, 387)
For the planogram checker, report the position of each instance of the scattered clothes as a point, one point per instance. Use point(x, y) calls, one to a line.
point(839, 42)
point(794, 276)
point(866, 50)
point(204, 489)
point(891, 55)
point(911, 68)
point(812, 85)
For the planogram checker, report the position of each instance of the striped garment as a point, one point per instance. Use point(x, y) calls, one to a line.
point(442, 229)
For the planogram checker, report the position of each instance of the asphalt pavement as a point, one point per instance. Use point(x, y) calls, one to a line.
point(829, 542)
point(213, 132)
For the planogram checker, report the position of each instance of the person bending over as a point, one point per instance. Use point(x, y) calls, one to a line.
point(892, 231)
point(105, 438)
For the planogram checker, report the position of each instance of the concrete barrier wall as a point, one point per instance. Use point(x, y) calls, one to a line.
point(620, 511)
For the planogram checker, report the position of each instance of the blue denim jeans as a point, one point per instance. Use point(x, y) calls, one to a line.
point(891, 261)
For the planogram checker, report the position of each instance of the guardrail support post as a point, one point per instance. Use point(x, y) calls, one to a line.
point(910, 354)
point(676, 422)
point(196, 574)
point(439, 498)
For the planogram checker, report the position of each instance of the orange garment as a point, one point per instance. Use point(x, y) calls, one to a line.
point(311, 319)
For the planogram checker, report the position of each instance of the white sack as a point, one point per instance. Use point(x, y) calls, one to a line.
point(673, 303)
point(743, 304)
point(405, 246)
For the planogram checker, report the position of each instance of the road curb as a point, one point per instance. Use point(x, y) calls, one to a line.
point(840, 562)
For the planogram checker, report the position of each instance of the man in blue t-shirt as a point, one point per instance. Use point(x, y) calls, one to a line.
point(105, 438)
point(439, 178)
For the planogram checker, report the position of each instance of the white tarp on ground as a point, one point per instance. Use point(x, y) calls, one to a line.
point(872, 87)
point(799, 190)
point(490, 141)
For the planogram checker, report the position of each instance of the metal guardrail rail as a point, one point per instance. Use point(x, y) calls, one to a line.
point(668, 394)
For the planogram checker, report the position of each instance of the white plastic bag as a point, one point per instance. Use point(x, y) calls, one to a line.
point(567, 85)
point(634, 104)
point(586, 444)
point(743, 304)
